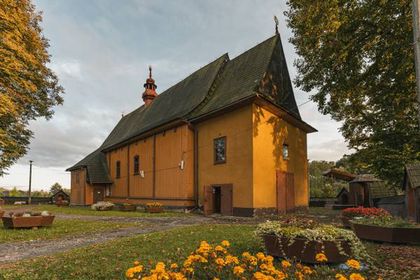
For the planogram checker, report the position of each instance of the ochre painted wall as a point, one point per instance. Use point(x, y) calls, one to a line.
point(269, 134)
point(171, 182)
point(237, 127)
point(81, 191)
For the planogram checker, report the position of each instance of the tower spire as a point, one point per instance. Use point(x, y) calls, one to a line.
point(149, 89)
point(276, 21)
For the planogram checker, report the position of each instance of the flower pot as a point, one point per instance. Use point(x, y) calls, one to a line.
point(127, 208)
point(303, 250)
point(346, 221)
point(27, 222)
point(387, 234)
point(154, 209)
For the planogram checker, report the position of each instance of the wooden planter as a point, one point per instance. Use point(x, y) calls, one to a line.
point(128, 207)
point(346, 221)
point(387, 234)
point(305, 251)
point(154, 209)
point(27, 222)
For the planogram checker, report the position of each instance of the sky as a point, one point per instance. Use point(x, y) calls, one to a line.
point(100, 51)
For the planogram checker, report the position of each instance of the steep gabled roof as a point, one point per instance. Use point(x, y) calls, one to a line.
point(412, 173)
point(259, 72)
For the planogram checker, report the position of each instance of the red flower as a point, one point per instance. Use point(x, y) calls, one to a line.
point(365, 212)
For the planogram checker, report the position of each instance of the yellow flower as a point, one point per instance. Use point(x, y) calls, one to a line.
point(321, 257)
point(174, 266)
point(285, 264)
point(219, 248)
point(268, 259)
point(260, 255)
point(231, 259)
point(238, 270)
point(299, 275)
point(225, 243)
point(307, 270)
point(353, 264)
point(246, 255)
point(215, 278)
point(136, 262)
point(356, 276)
point(220, 261)
point(339, 276)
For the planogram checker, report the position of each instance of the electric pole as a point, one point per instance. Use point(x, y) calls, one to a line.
point(416, 33)
point(30, 181)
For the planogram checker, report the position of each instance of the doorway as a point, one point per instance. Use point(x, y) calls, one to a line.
point(285, 192)
point(218, 199)
point(98, 194)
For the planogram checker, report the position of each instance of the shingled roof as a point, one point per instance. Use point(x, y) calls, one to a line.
point(259, 72)
point(412, 174)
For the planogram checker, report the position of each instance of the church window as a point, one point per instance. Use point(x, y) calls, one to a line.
point(220, 150)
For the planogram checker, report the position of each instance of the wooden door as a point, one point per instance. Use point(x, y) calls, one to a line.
point(98, 194)
point(208, 202)
point(226, 207)
point(285, 192)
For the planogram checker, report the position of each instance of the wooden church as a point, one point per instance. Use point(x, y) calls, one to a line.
point(228, 138)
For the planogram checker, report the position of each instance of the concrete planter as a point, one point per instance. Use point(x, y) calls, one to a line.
point(304, 250)
point(27, 222)
point(127, 208)
point(154, 209)
point(387, 234)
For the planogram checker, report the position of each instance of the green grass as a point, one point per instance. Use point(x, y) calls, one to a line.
point(111, 259)
point(59, 229)
point(79, 210)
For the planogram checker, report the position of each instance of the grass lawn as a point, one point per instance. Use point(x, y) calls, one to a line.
point(111, 259)
point(79, 210)
point(59, 228)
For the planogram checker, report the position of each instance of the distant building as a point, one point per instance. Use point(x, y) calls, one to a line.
point(412, 191)
point(365, 188)
point(228, 138)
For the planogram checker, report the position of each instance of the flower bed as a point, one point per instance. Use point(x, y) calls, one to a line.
point(28, 220)
point(216, 262)
point(154, 207)
point(301, 240)
point(127, 207)
point(386, 229)
point(348, 214)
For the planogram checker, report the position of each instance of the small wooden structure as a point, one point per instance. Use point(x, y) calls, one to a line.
point(59, 197)
point(412, 191)
point(343, 196)
point(339, 174)
point(365, 188)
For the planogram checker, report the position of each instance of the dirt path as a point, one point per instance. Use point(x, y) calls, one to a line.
point(11, 252)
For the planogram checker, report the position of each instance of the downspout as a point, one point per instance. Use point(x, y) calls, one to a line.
point(128, 171)
point(154, 166)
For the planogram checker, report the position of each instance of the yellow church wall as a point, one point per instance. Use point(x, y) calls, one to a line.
point(269, 134)
point(119, 187)
point(142, 186)
point(172, 147)
point(237, 127)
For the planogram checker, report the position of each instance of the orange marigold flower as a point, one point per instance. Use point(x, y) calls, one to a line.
point(353, 264)
point(340, 276)
point(356, 276)
point(307, 270)
point(285, 264)
point(220, 261)
point(321, 257)
point(225, 243)
point(260, 255)
point(174, 266)
point(219, 248)
point(136, 262)
point(238, 270)
point(299, 275)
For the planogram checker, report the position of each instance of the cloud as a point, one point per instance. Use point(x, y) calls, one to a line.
point(67, 69)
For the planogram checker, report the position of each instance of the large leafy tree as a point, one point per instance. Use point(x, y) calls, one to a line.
point(28, 88)
point(357, 60)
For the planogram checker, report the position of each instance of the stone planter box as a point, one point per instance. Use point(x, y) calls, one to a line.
point(127, 207)
point(27, 222)
point(305, 251)
point(387, 234)
point(154, 209)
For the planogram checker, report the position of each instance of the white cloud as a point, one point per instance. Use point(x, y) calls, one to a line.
point(67, 69)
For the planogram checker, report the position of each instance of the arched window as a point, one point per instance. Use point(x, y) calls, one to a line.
point(136, 165)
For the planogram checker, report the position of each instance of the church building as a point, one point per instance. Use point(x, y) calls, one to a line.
point(228, 139)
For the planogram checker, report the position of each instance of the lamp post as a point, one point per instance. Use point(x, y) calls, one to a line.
point(30, 181)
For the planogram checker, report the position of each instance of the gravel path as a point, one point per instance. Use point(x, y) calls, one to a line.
point(11, 252)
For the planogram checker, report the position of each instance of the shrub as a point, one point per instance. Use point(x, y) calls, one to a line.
point(215, 262)
point(364, 212)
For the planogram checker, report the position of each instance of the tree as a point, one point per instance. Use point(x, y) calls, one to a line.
point(55, 188)
point(28, 88)
point(357, 59)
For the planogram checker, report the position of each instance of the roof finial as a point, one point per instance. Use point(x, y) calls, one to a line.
point(277, 24)
point(150, 71)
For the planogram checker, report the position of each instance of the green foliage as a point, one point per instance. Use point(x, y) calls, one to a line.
point(357, 57)
point(55, 188)
point(319, 185)
point(28, 88)
point(385, 221)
